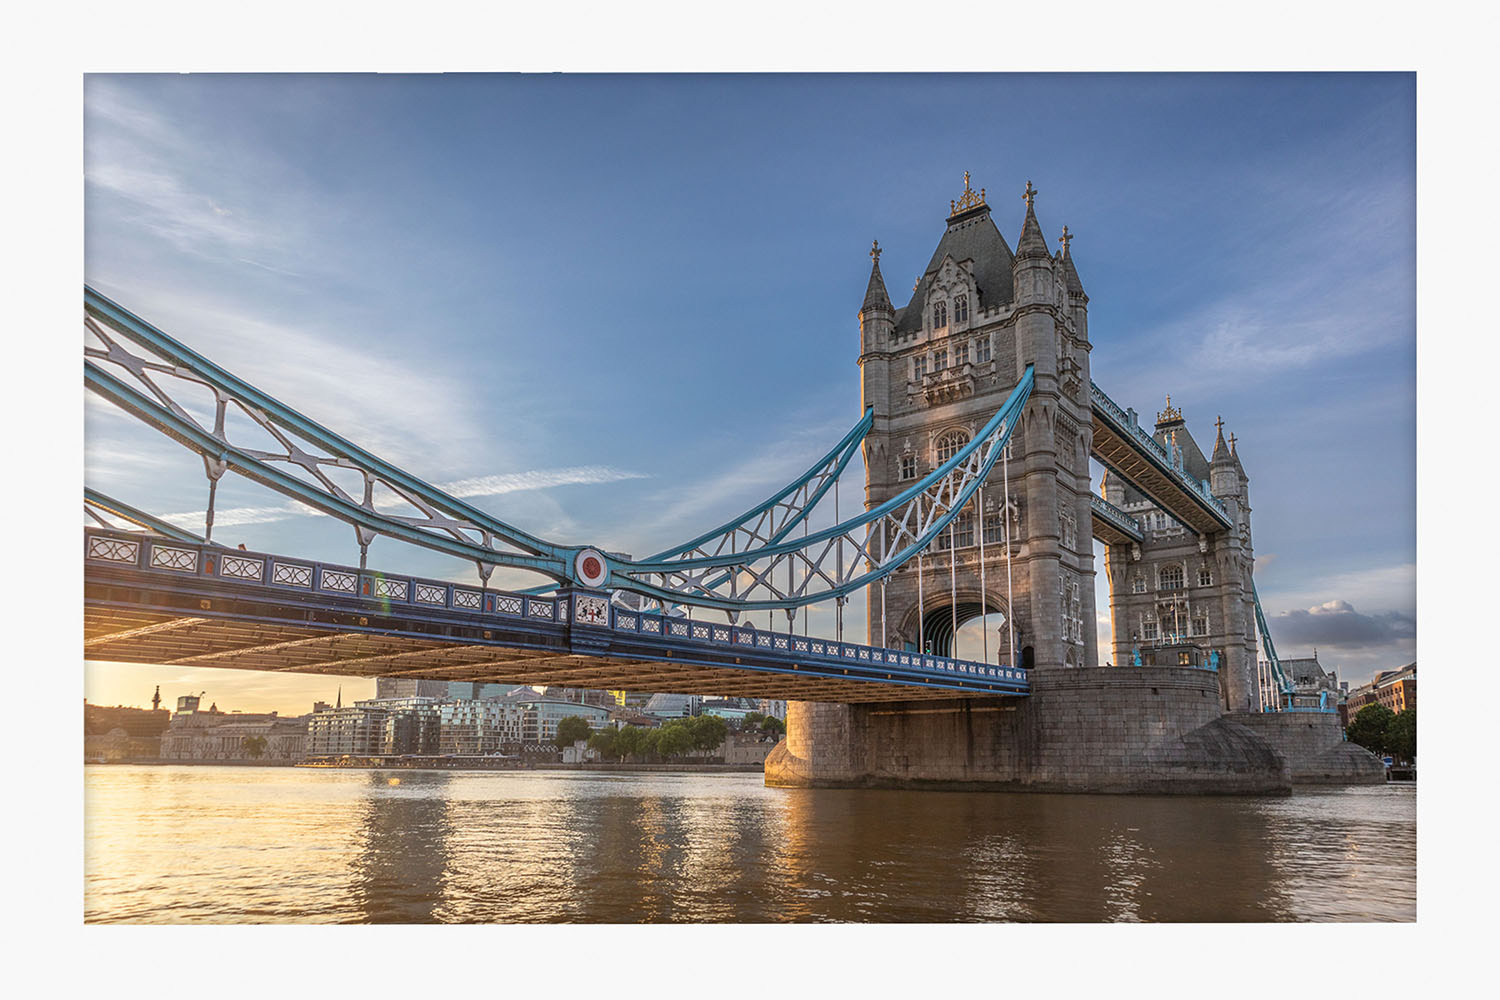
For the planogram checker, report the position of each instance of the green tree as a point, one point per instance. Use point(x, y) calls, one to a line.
point(774, 726)
point(674, 739)
point(1401, 736)
point(570, 730)
point(752, 721)
point(254, 746)
point(604, 742)
point(630, 741)
point(708, 732)
point(651, 743)
point(1367, 728)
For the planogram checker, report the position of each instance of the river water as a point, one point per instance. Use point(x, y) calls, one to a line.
point(181, 844)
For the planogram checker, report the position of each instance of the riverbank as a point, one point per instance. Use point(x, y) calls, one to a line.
point(439, 764)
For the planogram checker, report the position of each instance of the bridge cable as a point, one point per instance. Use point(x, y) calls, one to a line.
point(984, 590)
point(1010, 626)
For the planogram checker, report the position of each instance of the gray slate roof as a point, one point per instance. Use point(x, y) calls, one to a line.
point(970, 236)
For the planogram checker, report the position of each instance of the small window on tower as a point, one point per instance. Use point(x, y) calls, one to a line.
point(1205, 577)
point(961, 353)
point(908, 467)
point(940, 360)
point(982, 349)
point(919, 366)
point(1138, 585)
point(939, 315)
point(961, 309)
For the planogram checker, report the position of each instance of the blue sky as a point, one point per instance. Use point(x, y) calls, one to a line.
point(622, 308)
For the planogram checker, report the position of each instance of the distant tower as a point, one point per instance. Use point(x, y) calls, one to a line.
point(156, 699)
point(339, 701)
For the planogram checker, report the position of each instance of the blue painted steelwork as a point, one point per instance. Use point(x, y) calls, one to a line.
point(309, 584)
point(1127, 525)
point(449, 525)
point(109, 505)
point(920, 514)
point(1287, 688)
point(1156, 454)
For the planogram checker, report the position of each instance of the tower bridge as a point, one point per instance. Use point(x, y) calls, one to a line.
point(979, 422)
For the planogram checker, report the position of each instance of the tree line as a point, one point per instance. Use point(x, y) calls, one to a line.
point(675, 738)
point(1378, 729)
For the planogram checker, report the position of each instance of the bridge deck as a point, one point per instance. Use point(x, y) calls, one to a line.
point(163, 601)
point(1126, 448)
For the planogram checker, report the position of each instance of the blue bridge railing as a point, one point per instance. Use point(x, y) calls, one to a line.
point(174, 558)
point(1104, 509)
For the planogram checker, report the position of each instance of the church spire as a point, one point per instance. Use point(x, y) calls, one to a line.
point(875, 294)
point(1070, 273)
point(1032, 243)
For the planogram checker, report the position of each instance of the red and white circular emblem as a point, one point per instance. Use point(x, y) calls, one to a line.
point(590, 567)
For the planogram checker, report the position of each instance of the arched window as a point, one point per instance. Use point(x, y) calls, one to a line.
point(961, 309)
point(939, 315)
point(949, 444)
point(1170, 578)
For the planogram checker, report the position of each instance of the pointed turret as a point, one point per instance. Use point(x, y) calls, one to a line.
point(1032, 243)
point(875, 293)
point(1223, 477)
point(1070, 273)
point(1221, 450)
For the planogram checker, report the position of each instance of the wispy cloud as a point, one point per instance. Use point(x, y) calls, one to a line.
point(535, 479)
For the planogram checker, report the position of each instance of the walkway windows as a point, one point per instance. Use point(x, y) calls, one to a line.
point(982, 349)
point(949, 444)
point(1205, 577)
point(908, 467)
point(939, 315)
point(961, 309)
point(1169, 578)
point(940, 359)
point(919, 366)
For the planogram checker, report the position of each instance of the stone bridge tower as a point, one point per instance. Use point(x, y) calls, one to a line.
point(1178, 587)
point(935, 371)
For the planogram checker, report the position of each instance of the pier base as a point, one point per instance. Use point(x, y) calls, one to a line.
point(1315, 750)
point(1154, 730)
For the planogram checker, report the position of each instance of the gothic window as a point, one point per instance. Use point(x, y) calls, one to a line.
point(994, 529)
point(1205, 577)
point(1148, 629)
point(982, 349)
point(919, 366)
point(939, 315)
point(1138, 584)
point(961, 309)
point(949, 444)
point(963, 531)
point(940, 359)
point(961, 353)
point(1068, 529)
point(1169, 578)
point(908, 467)
point(1200, 625)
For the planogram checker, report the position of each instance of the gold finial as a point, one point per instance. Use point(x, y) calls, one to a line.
point(1030, 196)
point(1219, 425)
point(1170, 413)
point(875, 251)
point(1231, 444)
point(969, 199)
point(1065, 239)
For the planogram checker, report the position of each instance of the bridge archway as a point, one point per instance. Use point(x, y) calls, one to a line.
point(975, 615)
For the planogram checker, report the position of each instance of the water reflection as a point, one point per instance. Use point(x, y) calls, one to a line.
point(279, 845)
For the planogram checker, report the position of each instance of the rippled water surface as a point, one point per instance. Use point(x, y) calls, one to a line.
point(176, 844)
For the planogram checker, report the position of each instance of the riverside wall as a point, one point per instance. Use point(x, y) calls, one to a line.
point(1153, 730)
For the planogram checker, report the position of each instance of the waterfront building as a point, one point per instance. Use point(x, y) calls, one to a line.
point(539, 726)
point(409, 687)
point(411, 724)
point(358, 731)
point(1395, 689)
point(476, 727)
point(234, 736)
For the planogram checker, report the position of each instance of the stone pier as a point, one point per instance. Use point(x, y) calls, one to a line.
point(1157, 730)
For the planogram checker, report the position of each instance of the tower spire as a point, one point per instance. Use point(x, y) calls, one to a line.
point(1032, 243)
point(1221, 450)
point(875, 293)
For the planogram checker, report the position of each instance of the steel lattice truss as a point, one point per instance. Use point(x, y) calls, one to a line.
point(836, 561)
point(153, 377)
point(107, 512)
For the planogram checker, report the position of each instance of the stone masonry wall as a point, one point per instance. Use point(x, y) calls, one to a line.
point(1314, 748)
point(1151, 730)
